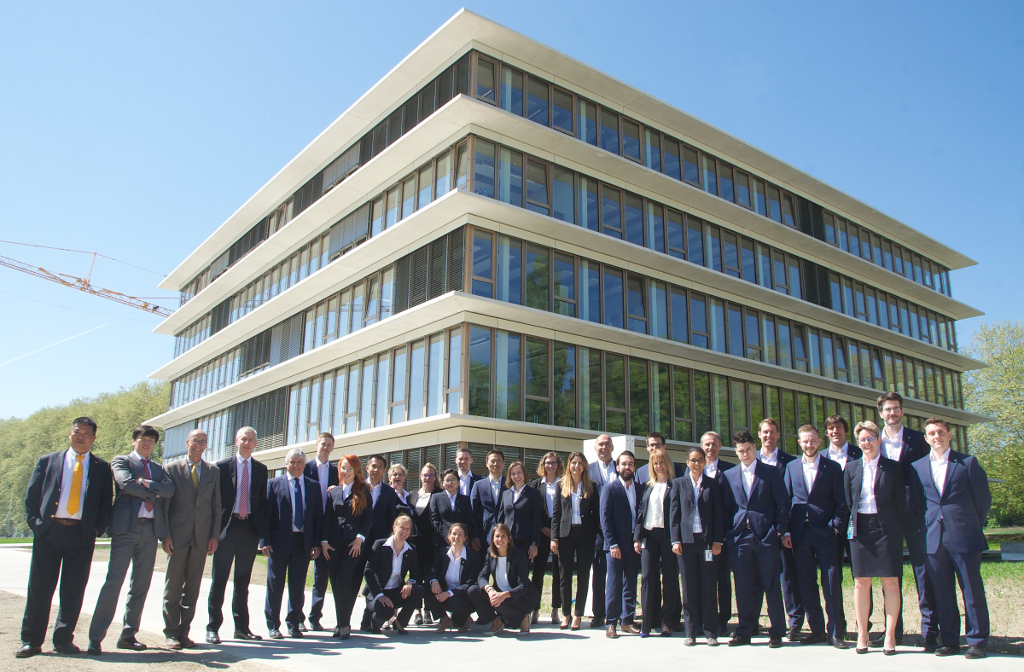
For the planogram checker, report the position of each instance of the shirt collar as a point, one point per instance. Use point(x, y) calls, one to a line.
point(944, 458)
point(239, 459)
point(898, 435)
point(814, 462)
point(462, 556)
point(769, 456)
point(72, 455)
point(843, 449)
point(293, 478)
point(629, 485)
point(390, 543)
point(700, 479)
point(749, 469)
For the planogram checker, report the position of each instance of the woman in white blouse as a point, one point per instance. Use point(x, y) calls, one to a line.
point(548, 484)
point(658, 566)
point(574, 526)
point(453, 573)
point(504, 593)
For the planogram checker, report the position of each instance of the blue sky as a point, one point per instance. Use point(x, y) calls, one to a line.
point(135, 129)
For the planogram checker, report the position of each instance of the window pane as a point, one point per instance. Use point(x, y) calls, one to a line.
point(661, 400)
point(589, 208)
point(735, 331)
point(398, 386)
point(655, 227)
point(507, 376)
point(681, 404)
point(381, 407)
point(565, 285)
point(510, 177)
point(725, 182)
point(562, 110)
point(743, 189)
point(676, 237)
point(454, 370)
point(435, 375)
point(510, 270)
point(485, 80)
point(615, 381)
point(691, 173)
point(483, 174)
point(537, 410)
point(586, 128)
point(537, 187)
point(563, 401)
point(635, 304)
point(698, 321)
point(511, 90)
point(717, 325)
point(609, 131)
point(659, 310)
point(720, 405)
point(749, 261)
point(710, 174)
point(426, 183)
point(537, 277)
point(639, 401)
point(714, 247)
point(590, 290)
point(613, 290)
point(391, 213)
point(774, 203)
point(416, 366)
point(482, 254)
point(366, 395)
point(562, 196)
point(387, 289)
point(730, 247)
point(788, 211)
point(652, 149)
point(702, 402)
point(785, 354)
point(590, 389)
point(694, 241)
point(634, 219)
point(680, 328)
point(461, 168)
point(479, 393)
point(672, 163)
point(537, 101)
point(443, 175)
point(753, 335)
point(611, 211)
point(631, 139)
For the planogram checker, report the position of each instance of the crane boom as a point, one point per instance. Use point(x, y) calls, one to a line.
point(84, 285)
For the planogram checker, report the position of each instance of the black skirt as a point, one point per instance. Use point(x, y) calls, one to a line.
point(872, 552)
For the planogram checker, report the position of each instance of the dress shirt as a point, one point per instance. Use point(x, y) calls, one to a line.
point(375, 492)
point(454, 574)
point(711, 469)
point(748, 477)
point(771, 459)
point(841, 456)
point(697, 529)
point(403, 496)
point(551, 494)
point(495, 488)
point(939, 465)
point(867, 502)
point(608, 471)
point(197, 466)
point(67, 475)
point(239, 462)
point(144, 512)
point(451, 498)
point(517, 493)
point(810, 470)
point(501, 574)
point(577, 495)
point(323, 476)
point(465, 483)
point(396, 564)
point(892, 448)
point(291, 495)
point(631, 496)
point(656, 507)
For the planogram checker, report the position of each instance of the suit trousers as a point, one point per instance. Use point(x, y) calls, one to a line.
point(917, 549)
point(346, 577)
point(790, 589)
point(457, 605)
point(184, 578)
point(575, 546)
point(599, 582)
point(660, 585)
point(137, 547)
point(540, 567)
point(380, 613)
point(238, 547)
point(295, 562)
point(700, 589)
point(511, 611)
point(321, 575)
point(620, 586)
point(59, 551)
point(945, 569)
point(724, 592)
point(752, 562)
point(811, 556)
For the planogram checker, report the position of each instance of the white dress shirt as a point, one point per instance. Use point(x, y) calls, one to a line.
point(516, 493)
point(867, 502)
point(291, 496)
point(656, 507)
point(892, 448)
point(697, 529)
point(454, 574)
point(841, 456)
point(465, 483)
point(577, 495)
point(748, 477)
point(939, 467)
point(810, 471)
point(239, 485)
point(771, 458)
point(375, 492)
point(67, 475)
point(396, 564)
point(551, 495)
point(495, 485)
point(323, 476)
point(501, 575)
point(631, 496)
point(608, 471)
point(711, 469)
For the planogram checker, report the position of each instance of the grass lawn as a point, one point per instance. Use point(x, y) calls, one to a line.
point(16, 540)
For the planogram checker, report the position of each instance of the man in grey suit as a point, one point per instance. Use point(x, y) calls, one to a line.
point(134, 529)
point(192, 520)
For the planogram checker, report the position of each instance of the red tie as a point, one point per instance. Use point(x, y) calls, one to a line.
point(243, 503)
point(149, 477)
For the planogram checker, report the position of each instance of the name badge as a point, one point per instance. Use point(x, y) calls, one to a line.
point(708, 555)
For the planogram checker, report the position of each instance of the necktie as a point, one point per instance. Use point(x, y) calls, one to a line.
point(299, 508)
point(75, 494)
point(243, 503)
point(195, 475)
point(149, 477)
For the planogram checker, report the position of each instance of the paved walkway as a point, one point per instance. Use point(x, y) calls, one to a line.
point(547, 645)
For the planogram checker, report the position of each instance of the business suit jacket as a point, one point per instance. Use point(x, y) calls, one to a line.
point(473, 478)
point(538, 484)
point(384, 512)
point(816, 515)
point(890, 494)
point(229, 476)
point(639, 533)
point(280, 514)
point(468, 573)
point(339, 525)
point(43, 496)
point(852, 452)
point(192, 515)
point(485, 507)
point(708, 506)
point(590, 515)
point(914, 448)
point(616, 521)
point(597, 473)
point(960, 511)
point(332, 474)
point(524, 517)
point(130, 494)
point(442, 516)
point(766, 511)
point(377, 571)
point(518, 575)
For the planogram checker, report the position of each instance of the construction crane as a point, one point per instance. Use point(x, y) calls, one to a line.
point(83, 284)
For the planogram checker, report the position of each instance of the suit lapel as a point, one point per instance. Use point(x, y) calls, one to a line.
point(952, 465)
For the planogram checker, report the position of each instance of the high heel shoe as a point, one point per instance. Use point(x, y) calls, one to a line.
point(862, 649)
point(575, 623)
point(564, 624)
point(889, 652)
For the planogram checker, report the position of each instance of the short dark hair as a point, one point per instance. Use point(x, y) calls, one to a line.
point(835, 421)
point(697, 449)
point(625, 452)
point(888, 396)
point(85, 421)
point(495, 451)
point(935, 421)
point(453, 472)
point(146, 432)
point(742, 436)
point(657, 435)
point(464, 449)
point(377, 457)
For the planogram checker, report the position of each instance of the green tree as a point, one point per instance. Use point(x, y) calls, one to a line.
point(998, 392)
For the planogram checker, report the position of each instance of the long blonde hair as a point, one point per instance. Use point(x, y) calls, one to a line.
point(659, 454)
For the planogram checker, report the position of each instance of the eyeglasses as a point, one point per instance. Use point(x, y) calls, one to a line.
point(428, 477)
point(868, 439)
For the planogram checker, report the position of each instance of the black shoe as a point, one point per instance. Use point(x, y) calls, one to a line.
point(814, 638)
point(173, 643)
point(186, 643)
point(947, 650)
point(275, 634)
point(131, 644)
point(739, 640)
point(838, 643)
point(212, 637)
point(295, 633)
point(975, 652)
point(27, 651)
point(68, 649)
point(246, 635)
point(774, 641)
point(94, 649)
point(336, 632)
point(597, 623)
point(315, 626)
point(794, 634)
point(399, 628)
point(930, 645)
point(302, 627)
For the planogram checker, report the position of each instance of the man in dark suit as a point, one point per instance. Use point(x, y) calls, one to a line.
point(906, 446)
point(385, 501)
point(842, 452)
point(67, 506)
point(756, 511)
point(243, 489)
point(134, 529)
point(818, 514)
point(325, 473)
point(464, 464)
point(715, 469)
point(192, 519)
point(950, 491)
point(657, 440)
point(602, 472)
point(620, 501)
point(294, 509)
point(486, 498)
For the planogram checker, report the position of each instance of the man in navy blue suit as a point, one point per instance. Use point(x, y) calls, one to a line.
point(818, 515)
point(485, 499)
point(602, 472)
point(620, 500)
point(906, 446)
point(715, 469)
point(950, 491)
point(325, 473)
point(841, 452)
point(294, 510)
point(756, 510)
point(385, 501)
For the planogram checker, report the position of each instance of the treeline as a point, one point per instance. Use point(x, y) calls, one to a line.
point(22, 441)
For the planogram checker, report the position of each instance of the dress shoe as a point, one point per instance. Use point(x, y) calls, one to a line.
point(315, 626)
point(186, 643)
point(344, 632)
point(295, 633)
point(630, 628)
point(930, 645)
point(248, 636)
point(465, 626)
point(94, 649)
point(445, 623)
point(575, 623)
point(610, 632)
point(399, 628)
point(302, 627)
point(975, 652)
point(814, 638)
point(947, 650)
point(27, 651)
point(275, 634)
point(794, 635)
point(597, 623)
point(130, 644)
point(555, 617)
point(739, 640)
point(838, 643)
point(862, 649)
point(666, 630)
point(68, 649)
point(496, 626)
point(712, 641)
point(524, 627)
point(774, 641)
point(212, 637)
point(889, 652)
point(689, 641)
point(878, 641)
point(564, 625)
point(173, 644)
point(336, 632)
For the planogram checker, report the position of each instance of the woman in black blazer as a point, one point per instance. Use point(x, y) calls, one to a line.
point(549, 472)
point(876, 494)
point(697, 529)
point(347, 520)
point(383, 601)
point(521, 509)
point(574, 525)
point(511, 598)
point(453, 573)
point(658, 567)
point(419, 501)
point(396, 479)
point(443, 513)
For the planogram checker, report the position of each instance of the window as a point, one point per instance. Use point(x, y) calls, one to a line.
point(613, 297)
point(611, 211)
point(588, 216)
point(725, 182)
point(698, 320)
point(537, 277)
point(631, 140)
point(485, 80)
point(510, 177)
point(634, 219)
point(483, 174)
point(590, 290)
point(742, 181)
point(710, 174)
point(656, 227)
point(562, 194)
point(672, 164)
point(652, 150)
point(478, 395)
point(639, 399)
point(483, 258)
point(636, 305)
point(537, 198)
point(511, 90)
point(615, 393)
point(537, 101)
point(510, 270)
point(609, 131)
point(691, 172)
point(586, 127)
point(565, 284)
point(561, 110)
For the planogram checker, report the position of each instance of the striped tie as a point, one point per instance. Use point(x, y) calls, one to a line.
point(243, 503)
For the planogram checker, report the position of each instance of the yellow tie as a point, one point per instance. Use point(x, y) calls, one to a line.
point(195, 475)
point(75, 495)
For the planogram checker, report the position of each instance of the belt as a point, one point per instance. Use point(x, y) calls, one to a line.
point(67, 522)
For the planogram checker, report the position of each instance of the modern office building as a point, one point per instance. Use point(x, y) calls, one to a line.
point(499, 246)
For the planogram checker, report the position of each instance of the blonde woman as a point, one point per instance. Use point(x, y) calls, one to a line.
point(574, 525)
point(658, 566)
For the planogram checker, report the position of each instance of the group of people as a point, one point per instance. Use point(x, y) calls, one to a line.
point(465, 544)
